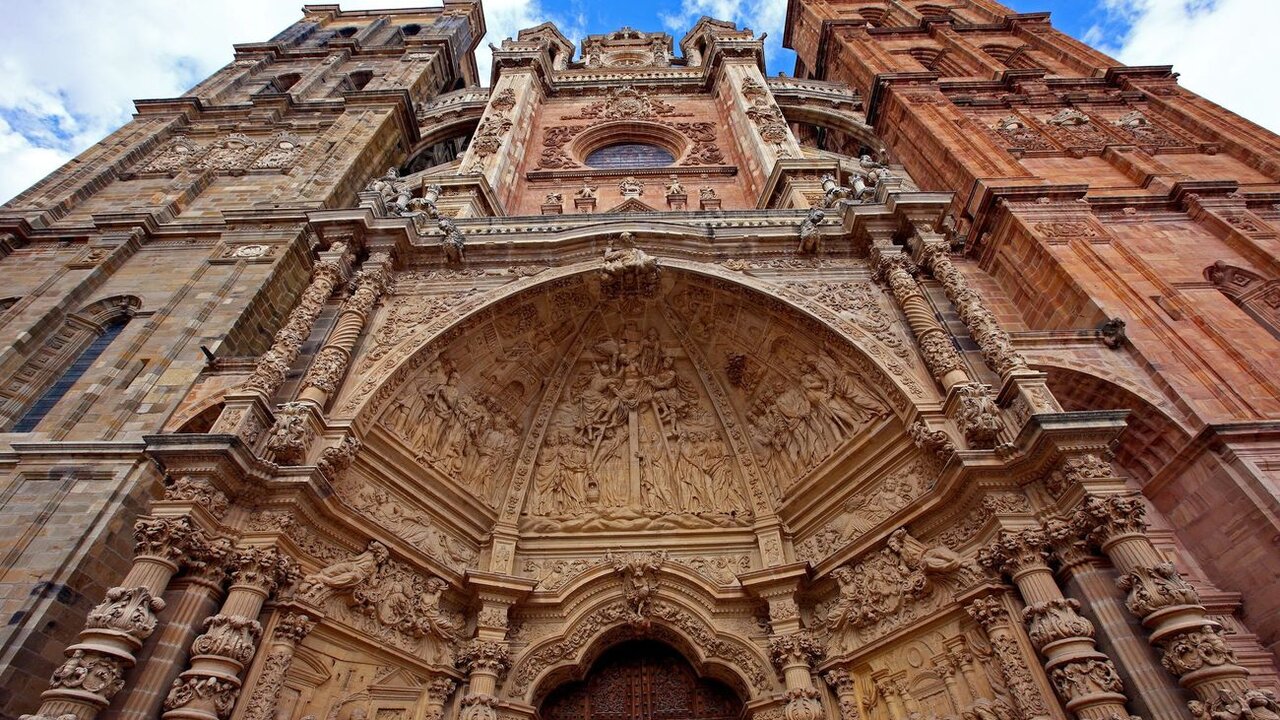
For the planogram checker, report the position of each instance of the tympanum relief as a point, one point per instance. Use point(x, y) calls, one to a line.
point(635, 444)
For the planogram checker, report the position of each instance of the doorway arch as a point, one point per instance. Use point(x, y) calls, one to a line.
point(642, 680)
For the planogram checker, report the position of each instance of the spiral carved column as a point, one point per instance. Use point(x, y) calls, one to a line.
point(1084, 678)
point(1193, 648)
point(969, 402)
point(331, 362)
point(116, 628)
point(208, 689)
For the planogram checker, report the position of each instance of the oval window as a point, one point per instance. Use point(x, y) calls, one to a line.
point(629, 155)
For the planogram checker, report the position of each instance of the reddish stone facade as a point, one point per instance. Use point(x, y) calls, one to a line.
point(937, 381)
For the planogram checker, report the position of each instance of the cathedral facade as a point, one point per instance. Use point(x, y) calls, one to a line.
point(934, 382)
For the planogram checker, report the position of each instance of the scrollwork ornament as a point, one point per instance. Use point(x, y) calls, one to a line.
point(264, 568)
point(1152, 588)
point(293, 627)
point(219, 694)
point(802, 704)
point(1055, 620)
point(1197, 649)
point(165, 538)
point(230, 636)
point(131, 611)
point(1250, 704)
point(988, 611)
point(1088, 677)
point(90, 671)
point(479, 707)
point(199, 491)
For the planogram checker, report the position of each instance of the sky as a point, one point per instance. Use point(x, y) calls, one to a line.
point(71, 68)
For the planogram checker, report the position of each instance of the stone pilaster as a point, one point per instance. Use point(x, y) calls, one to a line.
point(992, 613)
point(208, 689)
point(285, 637)
point(1151, 691)
point(846, 691)
point(115, 630)
point(193, 596)
point(1191, 643)
point(1084, 678)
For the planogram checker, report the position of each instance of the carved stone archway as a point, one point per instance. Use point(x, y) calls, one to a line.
point(642, 680)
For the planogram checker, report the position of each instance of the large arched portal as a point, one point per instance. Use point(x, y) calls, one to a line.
point(642, 680)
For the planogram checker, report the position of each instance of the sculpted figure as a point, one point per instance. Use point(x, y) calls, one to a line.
point(809, 235)
point(675, 187)
point(453, 242)
point(347, 574)
point(931, 560)
point(586, 192)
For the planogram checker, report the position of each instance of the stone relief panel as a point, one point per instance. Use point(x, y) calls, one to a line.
point(407, 520)
point(868, 507)
point(554, 573)
point(464, 413)
point(635, 444)
point(800, 401)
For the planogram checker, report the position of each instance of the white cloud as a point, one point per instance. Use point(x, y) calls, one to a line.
point(762, 16)
point(1220, 47)
point(72, 68)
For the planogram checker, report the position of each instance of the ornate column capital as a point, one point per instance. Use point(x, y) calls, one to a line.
point(989, 611)
point(1015, 553)
point(796, 649)
point(485, 656)
point(1107, 518)
point(197, 490)
point(167, 539)
point(234, 637)
point(1154, 588)
point(264, 569)
point(1077, 470)
point(293, 627)
point(1068, 543)
point(126, 612)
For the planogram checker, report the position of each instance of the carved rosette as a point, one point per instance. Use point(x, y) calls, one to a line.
point(994, 342)
point(269, 373)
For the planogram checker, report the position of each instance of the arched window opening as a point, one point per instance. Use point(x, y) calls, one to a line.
point(411, 30)
point(359, 79)
point(347, 32)
point(873, 15)
point(283, 83)
point(55, 392)
point(935, 12)
point(642, 680)
point(445, 151)
point(629, 156)
point(204, 420)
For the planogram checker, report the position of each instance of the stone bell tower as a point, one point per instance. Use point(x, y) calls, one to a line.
point(184, 231)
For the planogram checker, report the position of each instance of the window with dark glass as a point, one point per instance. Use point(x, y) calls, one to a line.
point(626, 156)
point(62, 386)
